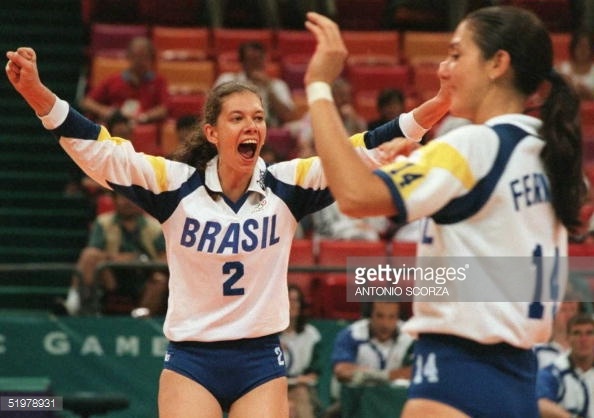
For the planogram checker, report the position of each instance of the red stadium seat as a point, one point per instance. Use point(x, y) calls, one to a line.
point(332, 298)
point(561, 41)
point(404, 248)
point(422, 46)
point(228, 40)
point(372, 47)
point(113, 39)
point(376, 78)
point(294, 42)
point(587, 119)
point(181, 43)
point(145, 138)
point(335, 252)
point(366, 104)
point(229, 62)
point(426, 81)
point(187, 77)
point(302, 255)
point(186, 104)
point(293, 68)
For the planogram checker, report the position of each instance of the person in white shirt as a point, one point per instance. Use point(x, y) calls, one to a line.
point(565, 388)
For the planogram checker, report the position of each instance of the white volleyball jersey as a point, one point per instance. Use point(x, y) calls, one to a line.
point(300, 350)
point(484, 192)
point(354, 344)
point(227, 261)
point(568, 386)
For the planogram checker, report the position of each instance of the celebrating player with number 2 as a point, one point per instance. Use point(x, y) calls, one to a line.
point(472, 359)
point(229, 221)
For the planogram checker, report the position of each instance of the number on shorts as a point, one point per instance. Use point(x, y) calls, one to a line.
point(426, 370)
point(279, 356)
point(235, 269)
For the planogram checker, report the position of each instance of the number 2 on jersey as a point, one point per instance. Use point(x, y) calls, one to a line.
point(235, 270)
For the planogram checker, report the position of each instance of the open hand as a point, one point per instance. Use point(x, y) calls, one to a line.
point(327, 62)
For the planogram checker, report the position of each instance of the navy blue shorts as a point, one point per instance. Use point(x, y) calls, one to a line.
point(228, 369)
point(483, 381)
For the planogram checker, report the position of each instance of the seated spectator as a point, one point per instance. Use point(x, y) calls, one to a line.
point(300, 343)
point(579, 68)
point(331, 223)
point(138, 92)
point(126, 234)
point(547, 353)
point(353, 122)
point(390, 104)
point(275, 93)
point(372, 350)
point(565, 388)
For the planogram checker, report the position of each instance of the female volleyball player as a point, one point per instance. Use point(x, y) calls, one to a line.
point(228, 221)
point(508, 184)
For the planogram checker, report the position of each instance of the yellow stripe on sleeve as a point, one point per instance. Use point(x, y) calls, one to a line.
point(357, 140)
point(158, 164)
point(443, 155)
point(104, 135)
point(407, 176)
point(303, 167)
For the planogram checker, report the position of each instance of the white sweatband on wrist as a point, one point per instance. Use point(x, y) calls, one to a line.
point(410, 127)
point(318, 90)
point(57, 115)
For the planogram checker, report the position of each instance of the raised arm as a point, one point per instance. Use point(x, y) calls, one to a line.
point(22, 73)
point(356, 189)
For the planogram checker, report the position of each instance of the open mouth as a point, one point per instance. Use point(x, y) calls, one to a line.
point(247, 149)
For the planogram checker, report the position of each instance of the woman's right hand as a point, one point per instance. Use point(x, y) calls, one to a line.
point(327, 62)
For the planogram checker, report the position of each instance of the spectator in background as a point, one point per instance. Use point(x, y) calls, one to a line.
point(300, 343)
point(275, 93)
point(390, 103)
point(138, 92)
point(566, 387)
point(331, 223)
point(353, 122)
point(547, 353)
point(126, 234)
point(372, 350)
point(579, 69)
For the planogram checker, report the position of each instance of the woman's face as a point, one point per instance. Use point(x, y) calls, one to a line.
point(240, 131)
point(465, 73)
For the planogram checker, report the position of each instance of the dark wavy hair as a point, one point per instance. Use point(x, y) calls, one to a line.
point(302, 319)
point(523, 35)
point(196, 150)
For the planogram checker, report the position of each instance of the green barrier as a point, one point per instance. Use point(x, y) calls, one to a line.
point(103, 355)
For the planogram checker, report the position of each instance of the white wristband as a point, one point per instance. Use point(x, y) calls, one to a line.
point(410, 127)
point(56, 116)
point(318, 90)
